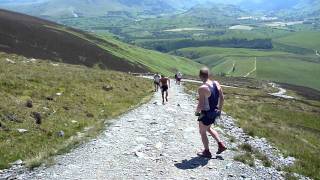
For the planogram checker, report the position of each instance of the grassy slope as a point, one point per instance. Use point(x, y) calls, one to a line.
point(271, 65)
point(289, 70)
point(309, 40)
point(47, 40)
point(291, 125)
point(155, 61)
point(83, 100)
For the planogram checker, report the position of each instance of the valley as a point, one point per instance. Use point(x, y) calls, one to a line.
point(290, 42)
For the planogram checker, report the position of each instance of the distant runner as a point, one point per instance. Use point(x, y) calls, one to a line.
point(176, 78)
point(209, 108)
point(156, 81)
point(179, 77)
point(165, 85)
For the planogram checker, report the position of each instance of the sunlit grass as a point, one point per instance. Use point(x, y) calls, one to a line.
point(83, 106)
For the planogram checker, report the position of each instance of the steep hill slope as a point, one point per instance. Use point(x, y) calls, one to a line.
point(37, 38)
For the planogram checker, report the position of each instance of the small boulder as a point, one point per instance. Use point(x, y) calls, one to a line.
point(37, 117)
point(74, 121)
point(107, 88)
point(90, 115)
point(17, 163)
point(66, 108)
point(22, 130)
point(60, 133)
point(49, 98)
point(29, 104)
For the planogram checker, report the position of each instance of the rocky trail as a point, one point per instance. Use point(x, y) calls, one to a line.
point(158, 141)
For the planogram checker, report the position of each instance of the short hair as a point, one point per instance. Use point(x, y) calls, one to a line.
point(204, 72)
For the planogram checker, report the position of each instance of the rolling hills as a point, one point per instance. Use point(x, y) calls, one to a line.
point(36, 38)
point(279, 66)
point(77, 8)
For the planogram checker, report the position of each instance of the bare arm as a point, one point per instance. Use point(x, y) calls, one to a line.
point(221, 96)
point(169, 82)
point(203, 94)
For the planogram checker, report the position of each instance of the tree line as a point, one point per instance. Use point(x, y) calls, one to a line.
point(167, 46)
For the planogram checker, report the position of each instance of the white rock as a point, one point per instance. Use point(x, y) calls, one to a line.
point(170, 125)
point(58, 94)
point(141, 139)
point(159, 145)
point(10, 61)
point(140, 154)
point(74, 121)
point(22, 130)
point(228, 165)
point(18, 162)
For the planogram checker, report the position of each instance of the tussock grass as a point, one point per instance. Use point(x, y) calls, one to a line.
point(293, 126)
point(246, 158)
point(83, 103)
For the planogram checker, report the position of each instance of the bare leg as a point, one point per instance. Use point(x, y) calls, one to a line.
point(203, 132)
point(162, 92)
point(214, 134)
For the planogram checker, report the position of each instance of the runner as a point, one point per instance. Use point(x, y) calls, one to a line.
point(164, 82)
point(156, 81)
point(176, 78)
point(209, 108)
point(179, 77)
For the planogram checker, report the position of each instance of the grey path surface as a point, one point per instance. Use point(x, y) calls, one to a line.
point(154, 141)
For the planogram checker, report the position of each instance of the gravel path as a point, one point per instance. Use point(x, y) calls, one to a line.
point(154, 141)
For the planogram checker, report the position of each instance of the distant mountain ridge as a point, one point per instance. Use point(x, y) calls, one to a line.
point(75, 8)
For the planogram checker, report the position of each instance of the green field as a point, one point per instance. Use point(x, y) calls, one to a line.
point(277, 66)
point(304, 39)
point(289, 70)
point(88, 98)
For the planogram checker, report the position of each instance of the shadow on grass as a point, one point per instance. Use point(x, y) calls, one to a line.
point(195, 162)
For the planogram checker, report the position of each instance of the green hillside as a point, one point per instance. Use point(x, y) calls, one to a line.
point(278, 66)
point(309, 40)
point(153, 60)
point(37, 38)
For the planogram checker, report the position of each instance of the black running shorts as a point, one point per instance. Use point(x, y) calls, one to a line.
point(164, 88)
point(208, 118)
